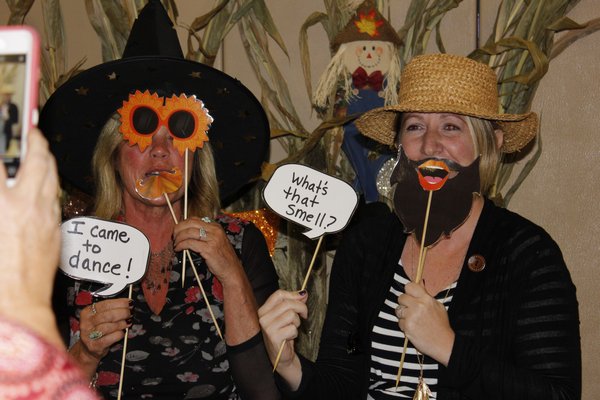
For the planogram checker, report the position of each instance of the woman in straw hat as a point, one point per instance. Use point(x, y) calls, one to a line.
point(136, 119)
point(480, 297)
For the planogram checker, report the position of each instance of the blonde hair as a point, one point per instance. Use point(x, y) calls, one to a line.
point(203, 189)
point(484, 138)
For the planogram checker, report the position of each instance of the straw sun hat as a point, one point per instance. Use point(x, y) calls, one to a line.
point(446, 83)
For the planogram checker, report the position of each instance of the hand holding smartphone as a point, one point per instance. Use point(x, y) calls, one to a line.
point(19, 80)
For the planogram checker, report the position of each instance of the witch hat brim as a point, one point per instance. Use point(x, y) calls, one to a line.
point(74, 115)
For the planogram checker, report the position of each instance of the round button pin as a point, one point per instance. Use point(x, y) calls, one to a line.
point(476, 263)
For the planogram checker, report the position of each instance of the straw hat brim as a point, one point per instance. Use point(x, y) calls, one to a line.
point(380, 124)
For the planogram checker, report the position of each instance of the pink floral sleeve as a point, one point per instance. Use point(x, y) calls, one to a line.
point(32, 369)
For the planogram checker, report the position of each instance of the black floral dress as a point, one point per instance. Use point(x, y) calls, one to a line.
point(178, 354)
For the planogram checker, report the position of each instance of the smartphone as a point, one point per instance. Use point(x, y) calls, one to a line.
point(19, 83)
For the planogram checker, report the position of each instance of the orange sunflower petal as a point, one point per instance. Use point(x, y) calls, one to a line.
point(202, 121)
point(126, 112)
point(154, 186)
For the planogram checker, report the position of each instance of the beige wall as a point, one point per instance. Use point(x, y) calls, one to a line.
point(559, 194)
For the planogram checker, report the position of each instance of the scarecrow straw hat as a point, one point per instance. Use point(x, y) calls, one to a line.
point(444, 83)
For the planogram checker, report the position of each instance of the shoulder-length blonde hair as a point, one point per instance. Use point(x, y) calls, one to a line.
point(203, 189)
point(484, 137)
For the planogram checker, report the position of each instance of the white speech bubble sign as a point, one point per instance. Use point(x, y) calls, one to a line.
point(317, 201)
point(96, 250)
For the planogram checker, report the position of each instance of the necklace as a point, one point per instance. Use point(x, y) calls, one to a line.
point(422, 392)
point(157, 277)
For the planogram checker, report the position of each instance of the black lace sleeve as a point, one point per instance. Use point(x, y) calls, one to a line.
point(249, 362)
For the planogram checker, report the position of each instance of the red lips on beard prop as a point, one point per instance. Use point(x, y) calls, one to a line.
point(451, 204)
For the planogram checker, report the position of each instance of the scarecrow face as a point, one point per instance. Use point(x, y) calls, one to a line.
point(371, 55)
point(434, 135)
point(147, 175)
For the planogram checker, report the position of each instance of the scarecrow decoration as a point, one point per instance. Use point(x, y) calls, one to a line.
point(363, 74)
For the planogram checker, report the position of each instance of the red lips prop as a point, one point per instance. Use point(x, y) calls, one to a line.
point(433, 174)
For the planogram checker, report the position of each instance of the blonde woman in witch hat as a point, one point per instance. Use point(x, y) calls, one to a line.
point(495, 314)
point(132, 121)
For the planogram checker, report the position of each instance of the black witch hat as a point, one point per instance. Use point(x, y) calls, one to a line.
point(74, 115)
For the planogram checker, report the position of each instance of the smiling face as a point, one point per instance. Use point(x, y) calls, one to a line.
point(372, 55)
point(147, 175)
point(434, 135)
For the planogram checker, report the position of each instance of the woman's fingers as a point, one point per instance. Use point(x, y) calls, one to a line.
point(281, 298)
point(103, 323)
point(279, 319)
point(197, 229)
point(102, 338)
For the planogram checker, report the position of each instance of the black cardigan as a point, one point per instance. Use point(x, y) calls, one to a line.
point(516, 322)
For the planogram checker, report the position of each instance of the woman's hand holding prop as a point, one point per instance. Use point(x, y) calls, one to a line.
point(280, 319)
point(187, 254)
point(315, 200)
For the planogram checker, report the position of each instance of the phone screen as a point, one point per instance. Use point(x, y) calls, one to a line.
point(13, 68)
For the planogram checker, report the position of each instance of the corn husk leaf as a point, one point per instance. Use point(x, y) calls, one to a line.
point(112, 42)
point(316, 136)
point(262, 14)
point(564, 24)
point(256, 47)
point(54, 56)
point(539, 59)
point(564, 42)
point(423, 16)
point(438, 39)
point(18, 11)
point(313, 19)
point(201, 22)
point(216, 24)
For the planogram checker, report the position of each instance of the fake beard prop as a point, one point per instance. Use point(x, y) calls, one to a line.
point(156, 184)
point(451, 203)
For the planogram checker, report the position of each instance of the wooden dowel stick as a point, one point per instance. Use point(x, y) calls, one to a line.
point(124, 352)
point(185, 204)
point(420, 265)
point(204, 294)
point(187, 253)
point(422, 249)
point(312, 262)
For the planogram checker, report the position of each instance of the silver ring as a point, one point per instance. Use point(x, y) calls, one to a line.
point(95, 335)
point(94, 309)
point(202, 233)
point(206, 219)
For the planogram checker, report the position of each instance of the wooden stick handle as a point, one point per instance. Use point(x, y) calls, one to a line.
point(187, 253)
point(279, 355)
point(310, 267)
point(312, 262)
point(124, 352)
point(185, 207)
point(399, 374)
point(423, 249)
point(420, 266)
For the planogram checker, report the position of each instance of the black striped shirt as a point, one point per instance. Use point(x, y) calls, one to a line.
point(387, 346)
